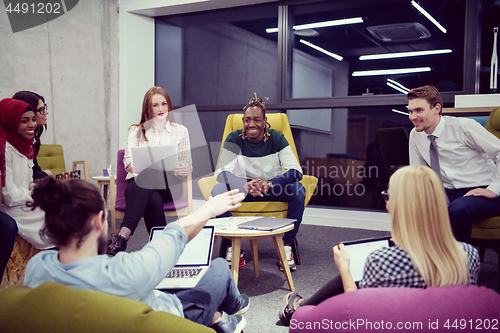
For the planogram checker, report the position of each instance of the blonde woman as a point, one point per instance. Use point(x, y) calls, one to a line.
point(426, 253)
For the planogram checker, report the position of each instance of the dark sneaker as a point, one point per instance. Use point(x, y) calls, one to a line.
point(243, 305)
point(229, 324)
point(229, 253)
point(119, 244)
point(292, 303)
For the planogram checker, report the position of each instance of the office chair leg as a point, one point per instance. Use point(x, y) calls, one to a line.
point(295, 251)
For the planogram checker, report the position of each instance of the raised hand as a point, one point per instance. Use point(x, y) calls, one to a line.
point(225, 202)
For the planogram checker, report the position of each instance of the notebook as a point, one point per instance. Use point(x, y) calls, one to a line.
point(145, 156)
point(358, 253)
point(193, 261)
point(266, 223)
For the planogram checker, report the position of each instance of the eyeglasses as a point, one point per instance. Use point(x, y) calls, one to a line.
point(42, 109)
point(385, 195)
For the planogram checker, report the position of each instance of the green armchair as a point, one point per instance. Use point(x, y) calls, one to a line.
point(51, 157)
point(56, 308)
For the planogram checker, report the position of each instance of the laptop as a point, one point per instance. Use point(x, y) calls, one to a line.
point(266, 223)
point(145, 156)
point(358, 253)
point(193, 262)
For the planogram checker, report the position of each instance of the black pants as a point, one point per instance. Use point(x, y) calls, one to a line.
point(145, 201)
point(8, 232)
point(467, 210)
point(333, 287)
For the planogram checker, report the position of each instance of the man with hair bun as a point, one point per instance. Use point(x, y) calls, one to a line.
point(466, 157)
point(75, 219)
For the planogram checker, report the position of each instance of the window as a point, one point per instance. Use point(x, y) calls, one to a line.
point(214, 58)
point(340, 55)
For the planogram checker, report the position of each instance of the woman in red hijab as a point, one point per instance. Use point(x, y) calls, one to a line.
point(17, 129)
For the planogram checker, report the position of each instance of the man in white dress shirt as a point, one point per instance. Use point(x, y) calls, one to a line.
point(466, 157)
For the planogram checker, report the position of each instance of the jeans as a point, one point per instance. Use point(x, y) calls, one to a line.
point(293, 193)
point(8, 232)
point(216, 291)
point(464, 211)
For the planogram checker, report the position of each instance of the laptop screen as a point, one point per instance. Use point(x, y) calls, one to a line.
point(197, 252)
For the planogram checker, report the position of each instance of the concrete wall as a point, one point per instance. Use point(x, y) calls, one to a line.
point(73, 62)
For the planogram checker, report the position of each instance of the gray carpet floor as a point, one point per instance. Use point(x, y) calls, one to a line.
point(267, 292)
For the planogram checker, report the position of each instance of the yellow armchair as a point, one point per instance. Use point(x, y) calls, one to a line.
point(278, 122)
point(51, 157)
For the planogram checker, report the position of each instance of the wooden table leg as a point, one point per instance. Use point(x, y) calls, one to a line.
point(255, 256)
point(105, 188)
point(280, 249)
point(235, 257)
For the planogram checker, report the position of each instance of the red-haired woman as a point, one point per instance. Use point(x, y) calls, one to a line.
point(157, 127)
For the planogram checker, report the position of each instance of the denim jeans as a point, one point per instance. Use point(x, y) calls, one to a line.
point(293, 193)
point(216, 291)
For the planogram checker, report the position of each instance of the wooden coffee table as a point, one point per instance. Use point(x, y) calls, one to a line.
point(227, 228)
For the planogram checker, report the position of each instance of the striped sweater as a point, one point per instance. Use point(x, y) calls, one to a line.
point(242, 160)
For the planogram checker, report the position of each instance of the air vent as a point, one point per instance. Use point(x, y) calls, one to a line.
point(400, 32)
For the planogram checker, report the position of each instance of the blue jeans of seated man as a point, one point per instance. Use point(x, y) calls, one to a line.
point(8, 232)
point(464, 211)
point(216, 291)
point(293, 193)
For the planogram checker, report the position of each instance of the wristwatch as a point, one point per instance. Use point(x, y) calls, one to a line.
point(270, 184)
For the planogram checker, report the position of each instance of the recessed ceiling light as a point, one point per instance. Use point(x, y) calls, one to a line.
point(331, 54)
point(321, 24)
point(403, 54)
point(306, 33)
point(391, 71)
point(429, 16)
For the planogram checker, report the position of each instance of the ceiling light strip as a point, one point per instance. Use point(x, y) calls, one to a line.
point(401, 112)
point(328, 23)
point(403, 54)
point(391, 71)
point(333, 55)
point(398, 84)
point(429, 16)
point(397, 88)
point(321, 24)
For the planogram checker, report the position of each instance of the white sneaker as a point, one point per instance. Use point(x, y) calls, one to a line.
point(228, 257)
point(289, 257)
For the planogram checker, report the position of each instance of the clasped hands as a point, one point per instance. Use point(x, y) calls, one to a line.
point(257, 187)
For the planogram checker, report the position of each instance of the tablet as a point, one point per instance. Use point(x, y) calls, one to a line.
point(358, 253)
point(145, 156)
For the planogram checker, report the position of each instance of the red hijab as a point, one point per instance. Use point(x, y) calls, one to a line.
point(11, 112)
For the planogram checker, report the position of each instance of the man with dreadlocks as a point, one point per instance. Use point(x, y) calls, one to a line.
point(253, 160)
